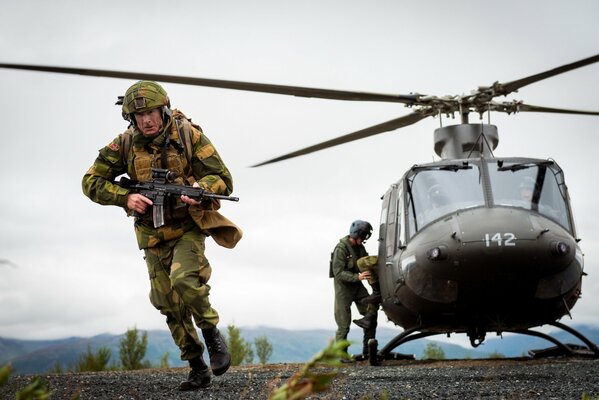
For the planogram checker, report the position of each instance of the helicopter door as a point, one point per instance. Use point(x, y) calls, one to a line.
point(390, 237)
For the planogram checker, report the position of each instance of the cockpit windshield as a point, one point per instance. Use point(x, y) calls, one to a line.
point(438, 190)
point(537, 186)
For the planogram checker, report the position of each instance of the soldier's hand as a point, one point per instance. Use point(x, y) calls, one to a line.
point(364, 275)
point(189, 200)
point(138, 203)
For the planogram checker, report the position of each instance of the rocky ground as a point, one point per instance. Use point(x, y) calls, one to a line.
point(462, 379)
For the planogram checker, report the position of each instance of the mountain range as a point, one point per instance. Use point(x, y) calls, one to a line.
point(39, 356)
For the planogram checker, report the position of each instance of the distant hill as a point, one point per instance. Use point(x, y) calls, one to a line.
point(38, 356)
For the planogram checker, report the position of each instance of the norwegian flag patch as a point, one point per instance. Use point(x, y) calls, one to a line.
point(113, 146)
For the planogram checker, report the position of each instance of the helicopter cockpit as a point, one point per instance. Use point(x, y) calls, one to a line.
point(436, 190)
point(536, 186)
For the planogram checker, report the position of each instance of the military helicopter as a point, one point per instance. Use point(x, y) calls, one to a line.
point(470, 244)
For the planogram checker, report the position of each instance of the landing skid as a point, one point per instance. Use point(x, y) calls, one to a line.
point(375, 357)
point(372, 349)
point(560, 350)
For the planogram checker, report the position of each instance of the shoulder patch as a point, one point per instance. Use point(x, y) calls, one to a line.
point(113, 146)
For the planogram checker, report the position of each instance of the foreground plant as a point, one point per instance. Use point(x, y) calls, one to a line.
point(307, 381)
point(36, 390)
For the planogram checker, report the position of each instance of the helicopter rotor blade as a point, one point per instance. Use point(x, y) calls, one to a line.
point(409, 99)
point(531, 108)
point(509, 87)
point(361, 134)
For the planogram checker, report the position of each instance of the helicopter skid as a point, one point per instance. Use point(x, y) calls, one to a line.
point(588, 350)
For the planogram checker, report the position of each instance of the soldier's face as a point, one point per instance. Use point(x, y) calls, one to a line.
point(359, 241)
point(149, 122)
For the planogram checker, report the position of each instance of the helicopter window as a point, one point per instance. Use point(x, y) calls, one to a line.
point(401, 218)
point(533, 186)
point(383, 222)
point(391, 224)
point(436, 192)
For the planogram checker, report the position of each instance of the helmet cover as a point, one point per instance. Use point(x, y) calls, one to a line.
point(144, 96)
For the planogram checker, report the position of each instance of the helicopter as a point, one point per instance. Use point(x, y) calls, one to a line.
point(470, 244)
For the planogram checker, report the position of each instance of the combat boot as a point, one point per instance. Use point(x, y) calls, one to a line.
point(347, 360)
point(365, 349)
point(220, 359)
point(366, 322)
point(199, 376)
point(375, 298)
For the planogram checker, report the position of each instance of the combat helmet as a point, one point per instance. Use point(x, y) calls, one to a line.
point(360, 229)
point(143, 96)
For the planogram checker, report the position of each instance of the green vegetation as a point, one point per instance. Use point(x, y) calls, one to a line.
point(241, 351)
point(90, 361)
point(133, 350)
point(263, 349)
point(57, 368)
point(307, 381)
point(36, 390)
point(433, 351)
point(164, 360)
point(496, 354)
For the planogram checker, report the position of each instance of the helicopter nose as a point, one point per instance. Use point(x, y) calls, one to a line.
point(504, 237)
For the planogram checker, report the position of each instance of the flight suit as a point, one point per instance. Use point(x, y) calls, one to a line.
point(174, 253)
point(348, 288)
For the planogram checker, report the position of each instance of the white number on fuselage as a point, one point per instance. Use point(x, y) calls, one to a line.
point(505, 239)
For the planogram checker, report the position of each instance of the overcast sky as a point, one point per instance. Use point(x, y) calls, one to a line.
point(74, 267)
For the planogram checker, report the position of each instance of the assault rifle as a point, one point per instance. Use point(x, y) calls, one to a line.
point(159, 188)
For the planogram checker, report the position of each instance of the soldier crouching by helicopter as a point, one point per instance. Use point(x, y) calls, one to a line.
point(159, 137)
point(348, 286)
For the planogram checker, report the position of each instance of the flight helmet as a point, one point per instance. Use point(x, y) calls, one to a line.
point(360, 229)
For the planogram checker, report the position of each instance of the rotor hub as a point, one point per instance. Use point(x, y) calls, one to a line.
point(466, 141)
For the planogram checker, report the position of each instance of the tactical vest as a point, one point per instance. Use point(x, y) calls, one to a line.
point(175, 156)
point(181, 141)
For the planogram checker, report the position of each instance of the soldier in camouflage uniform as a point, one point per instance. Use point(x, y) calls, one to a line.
point(373, 301)
point(347, 280)
point(174, 252)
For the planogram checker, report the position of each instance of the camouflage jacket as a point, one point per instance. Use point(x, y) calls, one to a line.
point(206, 168)
point(344, 261)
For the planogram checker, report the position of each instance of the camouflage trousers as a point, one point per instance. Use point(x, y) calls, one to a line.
point(345, 295)
point(179, 289)
point(369, 263)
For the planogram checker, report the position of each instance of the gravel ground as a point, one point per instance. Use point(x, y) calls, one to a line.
point(447, 379)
